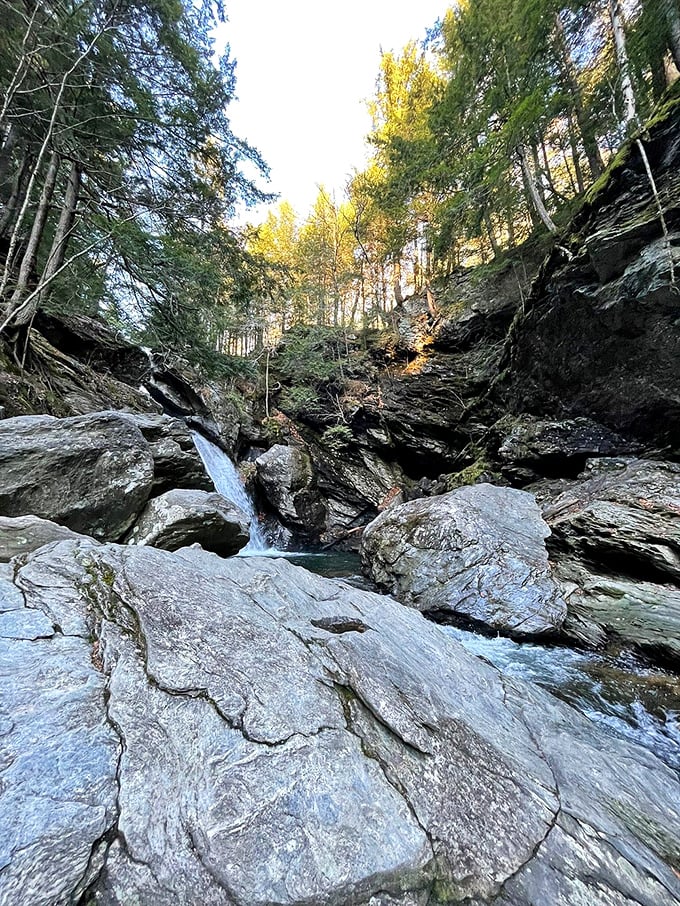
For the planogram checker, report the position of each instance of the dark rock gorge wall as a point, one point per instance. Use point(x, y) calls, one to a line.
point(518, 385)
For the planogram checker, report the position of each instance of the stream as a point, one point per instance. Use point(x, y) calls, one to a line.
point(619, 692)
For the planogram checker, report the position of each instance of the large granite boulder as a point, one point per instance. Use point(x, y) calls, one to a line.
point(476, 553)
point(287, 480)
point(182, 517)
point(176, 463)
point(616, 547)
point(243, 733)
point(92, 473)
point(24, 534)
point(624, 515)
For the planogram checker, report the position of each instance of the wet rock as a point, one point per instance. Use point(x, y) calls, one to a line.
point(176, 462)
point(267, 759)
point(353, 485)
point(603, 608)
point(23, 534)
point(91, 473)
point(288, 482)
point(477, 552)
point(179, 518)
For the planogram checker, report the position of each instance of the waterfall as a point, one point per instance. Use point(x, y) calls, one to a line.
point(228, 483)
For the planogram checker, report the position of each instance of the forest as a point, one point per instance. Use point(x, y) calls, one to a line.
point(119, 170)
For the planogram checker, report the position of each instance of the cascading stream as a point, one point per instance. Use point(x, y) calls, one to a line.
point(229, 484)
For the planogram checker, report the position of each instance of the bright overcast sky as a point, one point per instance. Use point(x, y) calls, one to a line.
point(305, 69)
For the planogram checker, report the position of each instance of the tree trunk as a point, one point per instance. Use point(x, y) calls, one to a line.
point(31, 254)
point(15, 200)
point(532, 189)
point(575, 156)
point(538, 171)
point(6, 154)
point(55, 259)
point(584, 122)
point(489, 229)
point(630, 118)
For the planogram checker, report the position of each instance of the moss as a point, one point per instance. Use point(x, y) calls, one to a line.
point(480, 470)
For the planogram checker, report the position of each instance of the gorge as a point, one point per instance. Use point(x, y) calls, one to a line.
point(340, 561)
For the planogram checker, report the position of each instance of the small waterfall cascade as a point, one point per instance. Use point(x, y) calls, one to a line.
point(228, 483)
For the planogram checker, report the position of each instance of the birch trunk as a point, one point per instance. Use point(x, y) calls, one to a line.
point(532, 189)
point(630, 118)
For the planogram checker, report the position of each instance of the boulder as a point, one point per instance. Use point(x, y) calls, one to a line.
point(616, 545)
point(287, 480)
point(476, 553)
point(92, 473)
point(23, 534)
point(176, 463)
point(249, 734)
point(182, 517)
point(605, 608)
point(624, 515)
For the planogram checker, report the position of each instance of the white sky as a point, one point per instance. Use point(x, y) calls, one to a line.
point(305, 69)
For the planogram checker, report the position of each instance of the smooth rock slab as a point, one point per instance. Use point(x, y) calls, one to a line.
point(267, 760)
point(181, 517)
point(24, 534)
point(92, 473)
point(58, 757)
point(477, 552)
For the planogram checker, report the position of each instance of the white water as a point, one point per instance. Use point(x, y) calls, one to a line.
point(630, 700)
point(228, 483)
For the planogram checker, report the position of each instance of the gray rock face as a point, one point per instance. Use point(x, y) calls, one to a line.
point(92, 473)
point(477, 552)
point(533, 448)
point(287, 479)
point(622, 365)
point(24, 534)
point(175, 459)
point(616, 543)
point(276, 737)
point(181, 517)
point(624, 513)
point(59, 756)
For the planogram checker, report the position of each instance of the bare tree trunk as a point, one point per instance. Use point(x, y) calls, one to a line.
point(630, 118)
point(490, 231)
point(538, 171)
point(580, 182)
point(30, 257)
point(6, 153)
point(56, 105)
point(55, 259)
point(532, 188)
point(16, 198)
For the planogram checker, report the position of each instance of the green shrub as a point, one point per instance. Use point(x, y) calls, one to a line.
point(337, 439)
